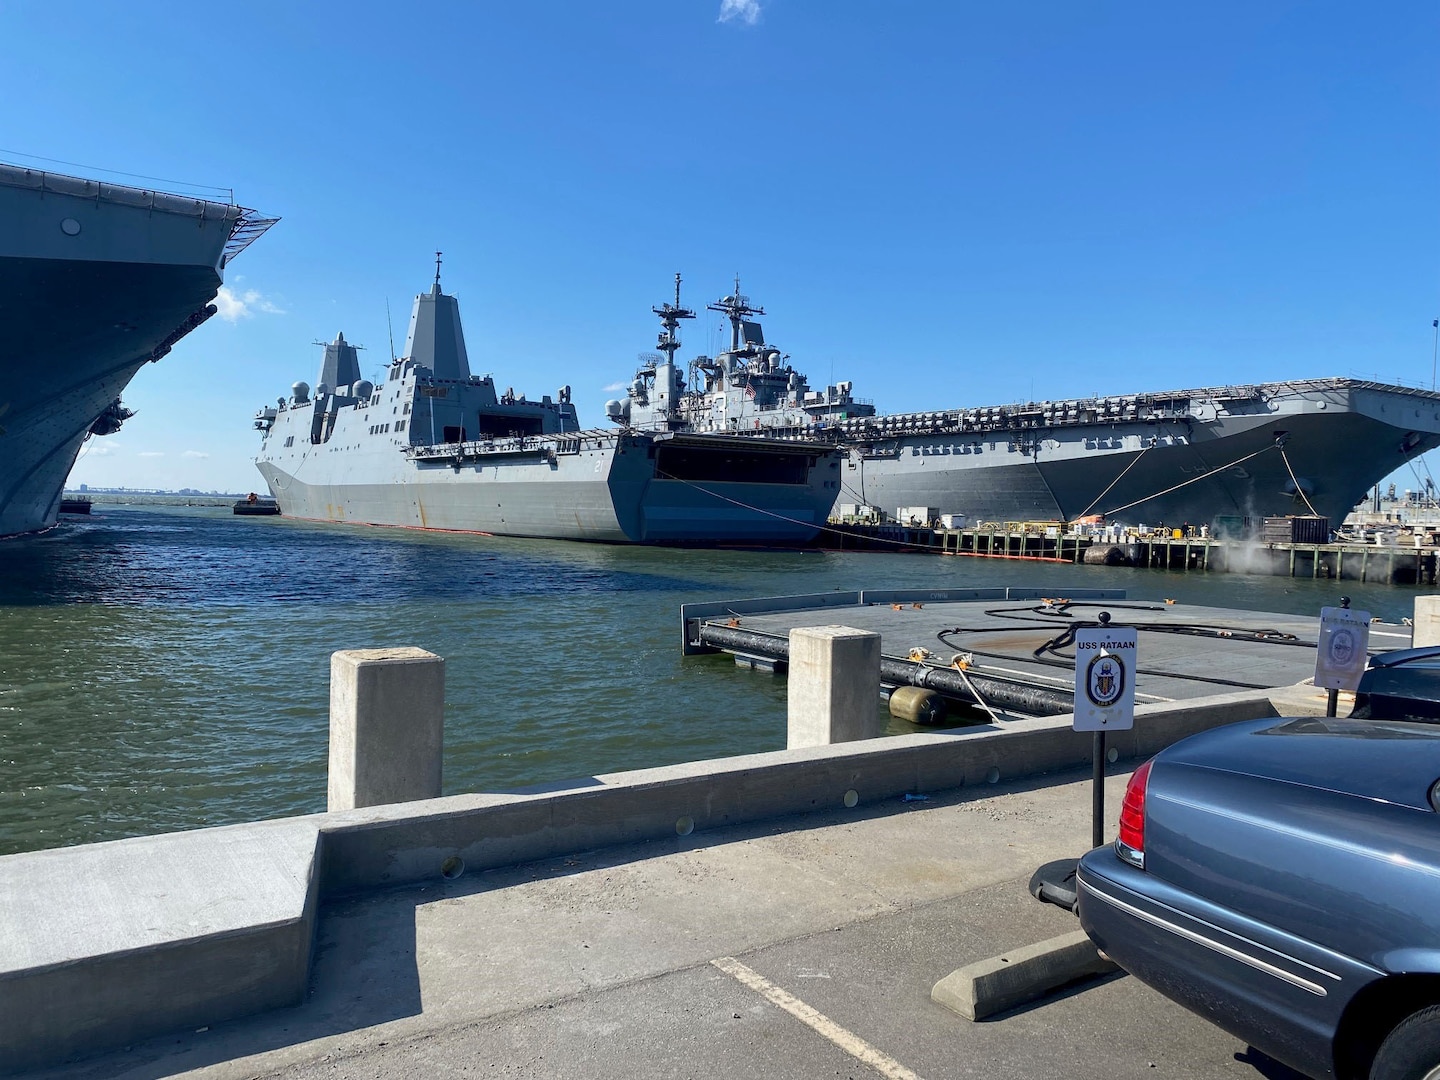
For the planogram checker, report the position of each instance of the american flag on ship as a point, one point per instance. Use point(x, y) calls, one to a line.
point(750, 391)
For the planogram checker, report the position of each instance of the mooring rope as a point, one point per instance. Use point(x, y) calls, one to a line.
point(841, 532)
point(1294, 480)
point(1192, 480)
point(1117, 479)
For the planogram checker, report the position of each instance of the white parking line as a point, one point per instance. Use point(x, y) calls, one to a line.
point(848, 1041)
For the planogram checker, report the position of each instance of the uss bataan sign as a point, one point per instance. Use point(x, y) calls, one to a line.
point(1104, 678)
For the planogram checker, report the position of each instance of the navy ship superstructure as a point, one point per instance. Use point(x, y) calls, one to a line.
point(1313, 446)
point(435, 447)
point(96, 280)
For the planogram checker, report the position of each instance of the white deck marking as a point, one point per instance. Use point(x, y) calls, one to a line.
point(851, 1043)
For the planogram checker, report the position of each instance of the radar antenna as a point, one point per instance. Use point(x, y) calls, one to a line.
point(736, 307)
point(670, 316)
point(437, 270)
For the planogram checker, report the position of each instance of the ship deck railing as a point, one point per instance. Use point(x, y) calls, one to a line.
point(551, 445)
point(1156, 406)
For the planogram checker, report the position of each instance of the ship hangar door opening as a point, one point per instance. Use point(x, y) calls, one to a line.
point(500, 427)
point(701, 464)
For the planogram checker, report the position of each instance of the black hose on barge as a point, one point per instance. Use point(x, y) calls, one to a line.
point(1006, 694)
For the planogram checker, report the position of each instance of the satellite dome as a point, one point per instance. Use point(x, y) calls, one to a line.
point(301, 390)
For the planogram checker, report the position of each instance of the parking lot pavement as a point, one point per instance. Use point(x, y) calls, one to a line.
point(799, 948)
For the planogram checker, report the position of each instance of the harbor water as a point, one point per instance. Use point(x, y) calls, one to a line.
point(167, 667)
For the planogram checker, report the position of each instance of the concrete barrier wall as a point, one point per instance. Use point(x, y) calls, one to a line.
point(390, 845)
point(71, 985)
point(106, 944)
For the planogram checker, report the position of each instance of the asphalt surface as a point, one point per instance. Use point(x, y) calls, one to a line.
point(805, 947)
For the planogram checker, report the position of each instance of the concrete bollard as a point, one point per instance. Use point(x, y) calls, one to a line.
point(834, 686)
point(1427, 622)
point(387, 726)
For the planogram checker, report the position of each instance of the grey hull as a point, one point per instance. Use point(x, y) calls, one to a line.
point(605, 491)
point(433, 446)
point(1332, 445)
point(95, 281)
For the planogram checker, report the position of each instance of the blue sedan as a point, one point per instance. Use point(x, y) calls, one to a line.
point(1281, 878)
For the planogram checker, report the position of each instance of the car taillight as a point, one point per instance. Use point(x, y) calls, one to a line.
point(1131, 845)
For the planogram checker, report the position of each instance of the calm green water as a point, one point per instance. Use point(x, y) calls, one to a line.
point(167, 667)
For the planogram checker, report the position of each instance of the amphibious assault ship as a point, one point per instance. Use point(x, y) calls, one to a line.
point(1308, 447)
point(434, 447)
point(96, 280)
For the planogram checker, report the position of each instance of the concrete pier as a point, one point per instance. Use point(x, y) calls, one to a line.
point(112, 942)
point(1156, 550)
point(833, 687)
point(387, 723)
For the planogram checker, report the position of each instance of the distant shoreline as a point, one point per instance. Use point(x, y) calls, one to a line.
point(156, 498)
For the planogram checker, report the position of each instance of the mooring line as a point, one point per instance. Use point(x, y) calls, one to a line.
point(1192, 480)
point(848, 1041)
point(1295, 480)
point(842, 533)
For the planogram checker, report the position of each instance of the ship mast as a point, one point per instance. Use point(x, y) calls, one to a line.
point(670, 316)
point(736, 307)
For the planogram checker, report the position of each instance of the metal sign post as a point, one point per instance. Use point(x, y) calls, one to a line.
point(1104, 698)
point(1104, 701)
point(1342, 650)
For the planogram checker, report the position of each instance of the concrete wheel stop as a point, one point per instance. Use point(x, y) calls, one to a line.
point(1002, 982)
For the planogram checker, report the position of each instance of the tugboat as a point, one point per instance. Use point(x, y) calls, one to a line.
point(254, 505)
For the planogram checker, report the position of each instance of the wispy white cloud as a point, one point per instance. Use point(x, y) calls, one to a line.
point(746, 11)
point(195, 454)
point(614, 386)
point(234, 305)
point(99, 448)
point(151, 453)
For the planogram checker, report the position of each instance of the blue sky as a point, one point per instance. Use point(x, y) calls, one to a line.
point(947, 203)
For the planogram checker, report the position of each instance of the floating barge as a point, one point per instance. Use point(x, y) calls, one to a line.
point(1010, 650)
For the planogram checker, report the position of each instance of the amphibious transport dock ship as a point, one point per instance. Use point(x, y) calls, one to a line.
point(435, 447)
point(1305, 447)
point(96, 279)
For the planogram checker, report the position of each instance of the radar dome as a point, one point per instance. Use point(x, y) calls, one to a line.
point(321, 389)
point(615, 410)
point(364, 388)
point(301, 390)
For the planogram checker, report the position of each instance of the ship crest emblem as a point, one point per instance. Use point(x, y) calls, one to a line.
point(1342, 647)
point(1104, 681)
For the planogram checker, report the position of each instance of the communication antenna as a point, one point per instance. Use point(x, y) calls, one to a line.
point(670, 316)
point(390, 327)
